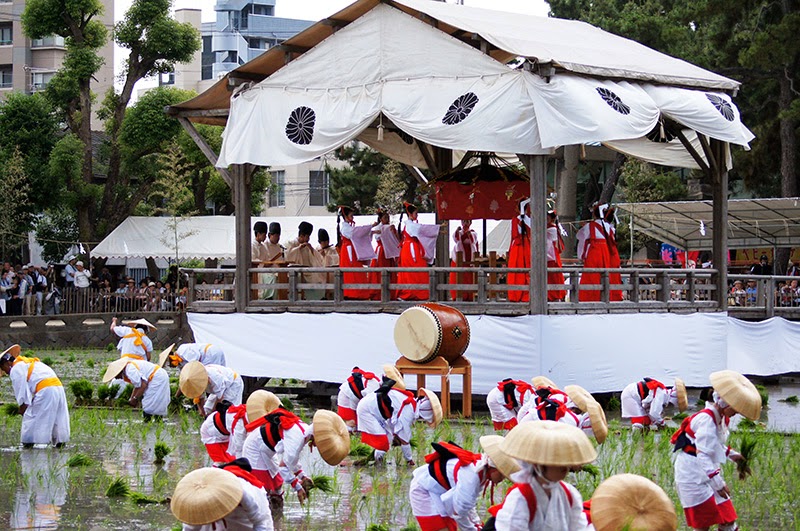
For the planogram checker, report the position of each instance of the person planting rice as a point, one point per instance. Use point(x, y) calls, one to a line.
point(259, 403)
point(134, 343)
point(386, 417)
point(358, 384)
point(215, 432)
point(205, 353)
point(643, 402)
point(150, 384)
point(41, 398)
point(540, 500)
point(221, 383)
point(543, 387)
point(445, 490)
point(505, 401)
point(230, 497)
point(700, 445)
point(628, 501)
point(274, 444)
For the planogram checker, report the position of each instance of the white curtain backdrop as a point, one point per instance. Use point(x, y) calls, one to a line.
point(600, 352)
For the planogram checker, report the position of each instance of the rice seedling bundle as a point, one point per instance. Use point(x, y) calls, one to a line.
point(118, 488)
point(79, 460)
point(107, 392)
point(323, 483)
point(82, 389)
point(161, 450)
point(286, 403)
point(764, 395)
point(141, 499)
point(359, 449)
point(791, 399)
point(747, 449)
point(11, 409)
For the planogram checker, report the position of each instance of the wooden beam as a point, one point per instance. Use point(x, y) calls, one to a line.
point(719, 184)
point(205, 148)
point(242, 187)
point(204, 113)
point(713, 163)
point(692, 151)
point(292, 48)
point(443, 159)
point(537, 171)
point(428, 156)
point(246, 76)
point(336, 24)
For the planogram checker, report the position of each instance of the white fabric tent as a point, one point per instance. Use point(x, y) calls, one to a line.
point(382, 67)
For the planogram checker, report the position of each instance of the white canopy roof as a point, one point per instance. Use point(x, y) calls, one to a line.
point(428, 85)
point(688, 224)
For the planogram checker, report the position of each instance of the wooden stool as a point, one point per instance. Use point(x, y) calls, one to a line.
point(440, 366)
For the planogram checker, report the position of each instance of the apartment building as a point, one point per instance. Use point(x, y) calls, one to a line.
point(27, 65)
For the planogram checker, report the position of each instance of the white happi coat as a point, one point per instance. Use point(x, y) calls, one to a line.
point(238, 436)
point(209, 434)
point(652, 405)
point(252, 513)
point(205, 353)
point(429, 498)
point(346, 397)
point(46, 421)
point(553, 513)
point(127, 345)
point(156, 397)
point(400, 424)
point(697, 478)
point(285, 459)
point(497, 404)
point(223, 384)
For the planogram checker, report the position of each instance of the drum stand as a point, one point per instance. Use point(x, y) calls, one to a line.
point(440, 366)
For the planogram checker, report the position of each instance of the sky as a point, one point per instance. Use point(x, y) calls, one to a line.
point(315, 10)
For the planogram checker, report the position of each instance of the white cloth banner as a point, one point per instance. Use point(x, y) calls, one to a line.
point(599, 352)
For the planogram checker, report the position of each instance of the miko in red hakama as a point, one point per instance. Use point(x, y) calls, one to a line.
point(593, 249)
point(467, 242)
point(519, 255)
point(349, 258)
point(381, 261)
point(615, 295)
point(554, 247)
point(412, 254)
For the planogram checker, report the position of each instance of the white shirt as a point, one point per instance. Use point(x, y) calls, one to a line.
point(25, 388)
point(252, 513)
point(82, 279)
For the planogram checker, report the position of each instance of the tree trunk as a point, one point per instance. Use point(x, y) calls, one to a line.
point(789, 177)
point(152, 268)
point(86, 207)
point(610, 186)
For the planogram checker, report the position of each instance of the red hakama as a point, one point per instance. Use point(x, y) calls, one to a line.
point(375, 276)
point(595, 254)
point(348, 258)
point(467, 243)
point(519, 255)
point(554, 247)
point(615, 295)
point(412, 254)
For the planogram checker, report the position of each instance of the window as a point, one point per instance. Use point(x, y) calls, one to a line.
point(263, 10)
point(318, 188)
point(207, 59)
point(40, 80)
point(6, 33)
point(277, 192)
point(166, 78)
point(6, 76)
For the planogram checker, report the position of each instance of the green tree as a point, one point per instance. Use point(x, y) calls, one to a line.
point(357, 184)
point(155, 41)
point(15, 218)
point(391, 187)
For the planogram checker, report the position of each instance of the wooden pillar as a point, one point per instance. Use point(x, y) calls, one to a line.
point(537, 166)
point(443, 158)
point(719, 182)
point(242, 185)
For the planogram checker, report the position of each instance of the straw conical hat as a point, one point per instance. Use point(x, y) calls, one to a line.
point(628, 501)
point(683, 398)
point(599, 424)
point(144, 322)
point(14, 350)
point(737, 391)
point(548, 443)
point(391, 372)
point(206, 495)
point(436, 406)
point(331, 436)
point(543, 381)
point(505, 464)
point(261, 402)
point(194, 379)
point(162, 358)
point(114, 368)
point(580, 396)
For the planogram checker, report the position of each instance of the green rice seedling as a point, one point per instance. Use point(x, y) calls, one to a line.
point(90, 363)
point(125, 396)
point(613, 404)
point(107, 392)
point(747, 424)
point(359, 449)
point(71, 358)
point(409, 528)
point(49, 361)
point(11, 409)
point(79, 460)
point(591, 469)
point(747, 449)
point(161, 450)
point(286, 403)
point(111, 347)
point(378, 527)
point(118, 488)
point(141, 499)
point(322, 483)
point(790, 399)
point(82, 389)
point(764, 395)
point(679, 416)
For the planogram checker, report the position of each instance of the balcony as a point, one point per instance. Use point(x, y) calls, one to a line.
point(54, 41)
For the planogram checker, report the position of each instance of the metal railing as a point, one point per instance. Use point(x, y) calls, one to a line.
point(91, 300)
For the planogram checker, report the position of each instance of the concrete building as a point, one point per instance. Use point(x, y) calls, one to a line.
point(301, 189)
point(27, 65)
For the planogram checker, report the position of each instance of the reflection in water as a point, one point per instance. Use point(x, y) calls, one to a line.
point(42, 489)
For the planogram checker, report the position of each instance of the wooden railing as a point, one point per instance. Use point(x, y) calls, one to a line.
point(641, 289)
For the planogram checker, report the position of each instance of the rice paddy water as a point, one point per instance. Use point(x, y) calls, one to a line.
point(113, 451)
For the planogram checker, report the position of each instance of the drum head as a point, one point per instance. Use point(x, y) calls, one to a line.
point(417, 334)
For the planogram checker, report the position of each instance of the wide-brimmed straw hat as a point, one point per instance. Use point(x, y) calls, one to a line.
point(143, 322)
point(737, 391)
point(391, 372)
point(548, 443)
point(14, 350)
point(436, 406)
point(162, 358)
point(683, 398)
point(194, 379)
point(114, 368)
point(580, 396)
point(505, 464)
point(628, 501)
point(598, 418)
point(206, 495)
point(331, 436)
point(543, 381)
point(261, 402)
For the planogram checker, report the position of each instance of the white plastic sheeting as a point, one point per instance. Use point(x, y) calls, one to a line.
point(600, 352)
point(447, 93)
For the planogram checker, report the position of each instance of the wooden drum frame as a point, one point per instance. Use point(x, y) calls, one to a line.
point(428, 330)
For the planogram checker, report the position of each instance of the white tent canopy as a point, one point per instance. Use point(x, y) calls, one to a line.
point(387, 65)
point(214, 237)
point(688, 224)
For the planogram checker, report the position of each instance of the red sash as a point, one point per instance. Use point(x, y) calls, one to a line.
point(245, 475)
point(646, 385)
point(444, 452)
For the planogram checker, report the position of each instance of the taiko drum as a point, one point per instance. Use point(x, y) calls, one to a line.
point(428, 330)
